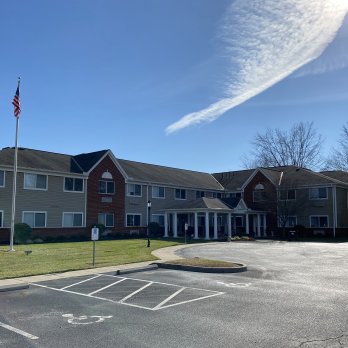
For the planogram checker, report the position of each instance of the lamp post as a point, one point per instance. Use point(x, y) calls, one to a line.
point(148, 223)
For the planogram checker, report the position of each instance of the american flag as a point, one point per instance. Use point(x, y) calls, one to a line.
point(16, 103)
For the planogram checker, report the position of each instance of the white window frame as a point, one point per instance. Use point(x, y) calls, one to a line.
point(133, 214)
point(134, 195)
point(74, 191)
point(74, 213)
point(3, 184)
point(317, 188)
point(159, 197)
point(104, 223)
point(287, 221)
point(158, 222)
point(2, 218)
point(35, 188)
point(318, 216)
point(35, 212)
point(106, 193)
point(287, 195)
point(180, 199)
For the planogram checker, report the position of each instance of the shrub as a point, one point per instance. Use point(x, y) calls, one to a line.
point(155, 229)
point(22, 233)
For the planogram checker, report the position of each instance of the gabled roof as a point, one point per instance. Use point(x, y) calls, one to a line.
point(203, 203)
point(234, 180)
point(337, 174)
point(40, 160)
point(50, 161)
point(144, 172)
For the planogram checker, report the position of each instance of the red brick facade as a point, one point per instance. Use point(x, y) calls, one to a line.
point(105, 203)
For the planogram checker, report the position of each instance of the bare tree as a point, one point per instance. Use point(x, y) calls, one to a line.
point(300, 146)
point(338, 159)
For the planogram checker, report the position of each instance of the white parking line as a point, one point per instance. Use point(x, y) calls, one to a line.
point(20, 332)
point(169, 298)
point(83, 281)
point(108, 286)
point(135, 292)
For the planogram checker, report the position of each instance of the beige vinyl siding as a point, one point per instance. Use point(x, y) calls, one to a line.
point(53, 200)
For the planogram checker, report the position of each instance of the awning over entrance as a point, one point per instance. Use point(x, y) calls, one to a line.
point(208, 217)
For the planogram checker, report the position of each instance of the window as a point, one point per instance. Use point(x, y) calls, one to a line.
point(200, 194)
point(34, 219)
point(72, 219)
point(291, 221)
point(106, 219)
point(319, 221)
point(235, 195)
point(2, 178)
point(106, 187)
point(259, 196)
point(134, 190)
point(287, 195)
point(180, 194)
point(73, 184)
point(158, 192)
point(318, 193)
point(133, 220)
point(1, 218)
point(35, 181)
point(159, 218)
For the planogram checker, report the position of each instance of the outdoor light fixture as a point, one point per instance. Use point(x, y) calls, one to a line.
point(148, 223)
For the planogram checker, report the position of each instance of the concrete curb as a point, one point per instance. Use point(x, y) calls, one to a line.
point(241, 268)
point(13, 287)
point(135, 270)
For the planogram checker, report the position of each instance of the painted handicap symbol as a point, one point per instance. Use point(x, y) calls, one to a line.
point(84, 319)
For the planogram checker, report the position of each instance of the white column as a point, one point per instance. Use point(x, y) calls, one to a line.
point(206, 225)
point(215, 226)
point(247, 223)
point(196, 225)
point(166, 225)
point(229, 229)
point(264, 225)
point(258, 225)
point(175, 225)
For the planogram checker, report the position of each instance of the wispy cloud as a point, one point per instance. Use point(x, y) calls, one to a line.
point(267, 40)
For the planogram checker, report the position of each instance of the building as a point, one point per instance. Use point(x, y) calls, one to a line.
point(65, 195)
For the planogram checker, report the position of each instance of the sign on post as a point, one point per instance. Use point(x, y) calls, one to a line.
point(94, 237)
point(186, 228)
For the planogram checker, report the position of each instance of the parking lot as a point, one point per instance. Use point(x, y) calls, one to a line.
point(299, 301)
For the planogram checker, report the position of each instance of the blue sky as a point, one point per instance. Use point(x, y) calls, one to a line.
point(115, 74)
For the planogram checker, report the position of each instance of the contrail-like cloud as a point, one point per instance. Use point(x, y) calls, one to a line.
point(267, 40)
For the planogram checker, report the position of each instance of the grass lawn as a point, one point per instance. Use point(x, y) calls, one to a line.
point(60, 257)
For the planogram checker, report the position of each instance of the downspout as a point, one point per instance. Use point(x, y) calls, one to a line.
point(334, 209)
point(86, 202)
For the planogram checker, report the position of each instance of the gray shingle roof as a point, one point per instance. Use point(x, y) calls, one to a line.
point(200, 203)
point(337, 174)
point(233, 180)
point(143, 172)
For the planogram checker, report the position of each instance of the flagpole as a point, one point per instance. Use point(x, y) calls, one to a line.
point(14, 182)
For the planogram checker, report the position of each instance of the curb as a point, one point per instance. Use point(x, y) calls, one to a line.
point(135, 270)
point(13, 287)
point(242, 268)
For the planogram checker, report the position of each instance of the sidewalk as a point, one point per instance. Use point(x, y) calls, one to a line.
point(163, 255)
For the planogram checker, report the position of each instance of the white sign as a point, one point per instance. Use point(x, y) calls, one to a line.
point(186, 226)
point(95, 233)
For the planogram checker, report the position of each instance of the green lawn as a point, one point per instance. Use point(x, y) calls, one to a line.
point(60, 257)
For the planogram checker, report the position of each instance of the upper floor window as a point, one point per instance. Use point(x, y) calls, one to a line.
point(35, 218)
point(133, 220)
point(72, 219)
point(259, 193)
point(318, 193)
point(106, 219)
point(200, 194)
point(2, 178)
point(73, 184)
point(35, 181)
point(158, 192)
point(233, 195)
point(180, 194)
point(134, 190)
point(319, 221)
point(106, 187)
point(287, 195)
